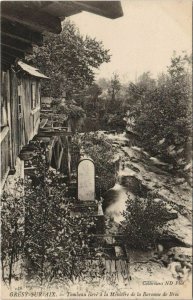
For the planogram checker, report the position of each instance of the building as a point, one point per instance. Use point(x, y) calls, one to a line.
point(23, 24)
point(20, 113)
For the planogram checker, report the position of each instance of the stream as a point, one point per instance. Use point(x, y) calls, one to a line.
point(139, 174)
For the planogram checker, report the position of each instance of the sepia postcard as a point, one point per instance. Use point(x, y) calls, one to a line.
point(96, 150)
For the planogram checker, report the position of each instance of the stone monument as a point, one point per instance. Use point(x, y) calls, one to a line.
point(86, 179)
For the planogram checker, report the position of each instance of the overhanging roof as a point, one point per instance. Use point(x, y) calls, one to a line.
point(31, 70)
point(62, 9)
point(24, 22)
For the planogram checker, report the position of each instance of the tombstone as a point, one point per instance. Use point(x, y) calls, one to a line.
point(86, 180)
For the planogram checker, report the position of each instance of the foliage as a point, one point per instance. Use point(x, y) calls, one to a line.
point(114, 121)
point(12, 231)
point(162, 113)
point(144, 220)
point(56, 243)
point(65, 113)
point(56, 102)
point(88, 99)
point(69, 110)
point(55, 240)
point(114, 87)
point(157, 110)
point(105, 103)
point(101, 151)
point(68, 59)
point(116, 95)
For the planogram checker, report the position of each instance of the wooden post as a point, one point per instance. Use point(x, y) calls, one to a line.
point(8, 96)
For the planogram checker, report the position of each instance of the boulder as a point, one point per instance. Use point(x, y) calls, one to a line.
point(181, 230)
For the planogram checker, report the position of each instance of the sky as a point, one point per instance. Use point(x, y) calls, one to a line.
point(143, 39)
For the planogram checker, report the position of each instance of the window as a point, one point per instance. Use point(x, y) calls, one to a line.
point(33, 95)
point(19, 102)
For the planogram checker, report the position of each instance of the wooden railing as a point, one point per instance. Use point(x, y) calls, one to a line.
point(5, 153)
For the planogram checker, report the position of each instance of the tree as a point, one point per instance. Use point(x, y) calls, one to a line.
point(137, 93)
point(162, 113)
point(103, 83)
point(94, 91)
point(89, 98)
point(68, 59)
point(114, 87)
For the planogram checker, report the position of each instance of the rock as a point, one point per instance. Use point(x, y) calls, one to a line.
point(142, 175)
point(123, 144)
point(156, 185)
point(157, 162)
point(160, 248)
point(133, 168)
point(116, 143)
point(161, 141)
point(155, 169)
point(147, 179)
point(165, 260)
point(127, 143)
point(179, 271)
point(185, 186)
point(179, 180)
point(175, 268)
point(180, 253)
point(180, 229)
point(187, 167)
point(134, 185)
point(137, 148)
point(134, 159)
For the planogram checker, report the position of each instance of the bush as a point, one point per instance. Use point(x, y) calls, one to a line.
point(41, 228)
point(144, 220)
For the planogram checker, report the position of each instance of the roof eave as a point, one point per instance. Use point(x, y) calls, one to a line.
point(34, 72)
